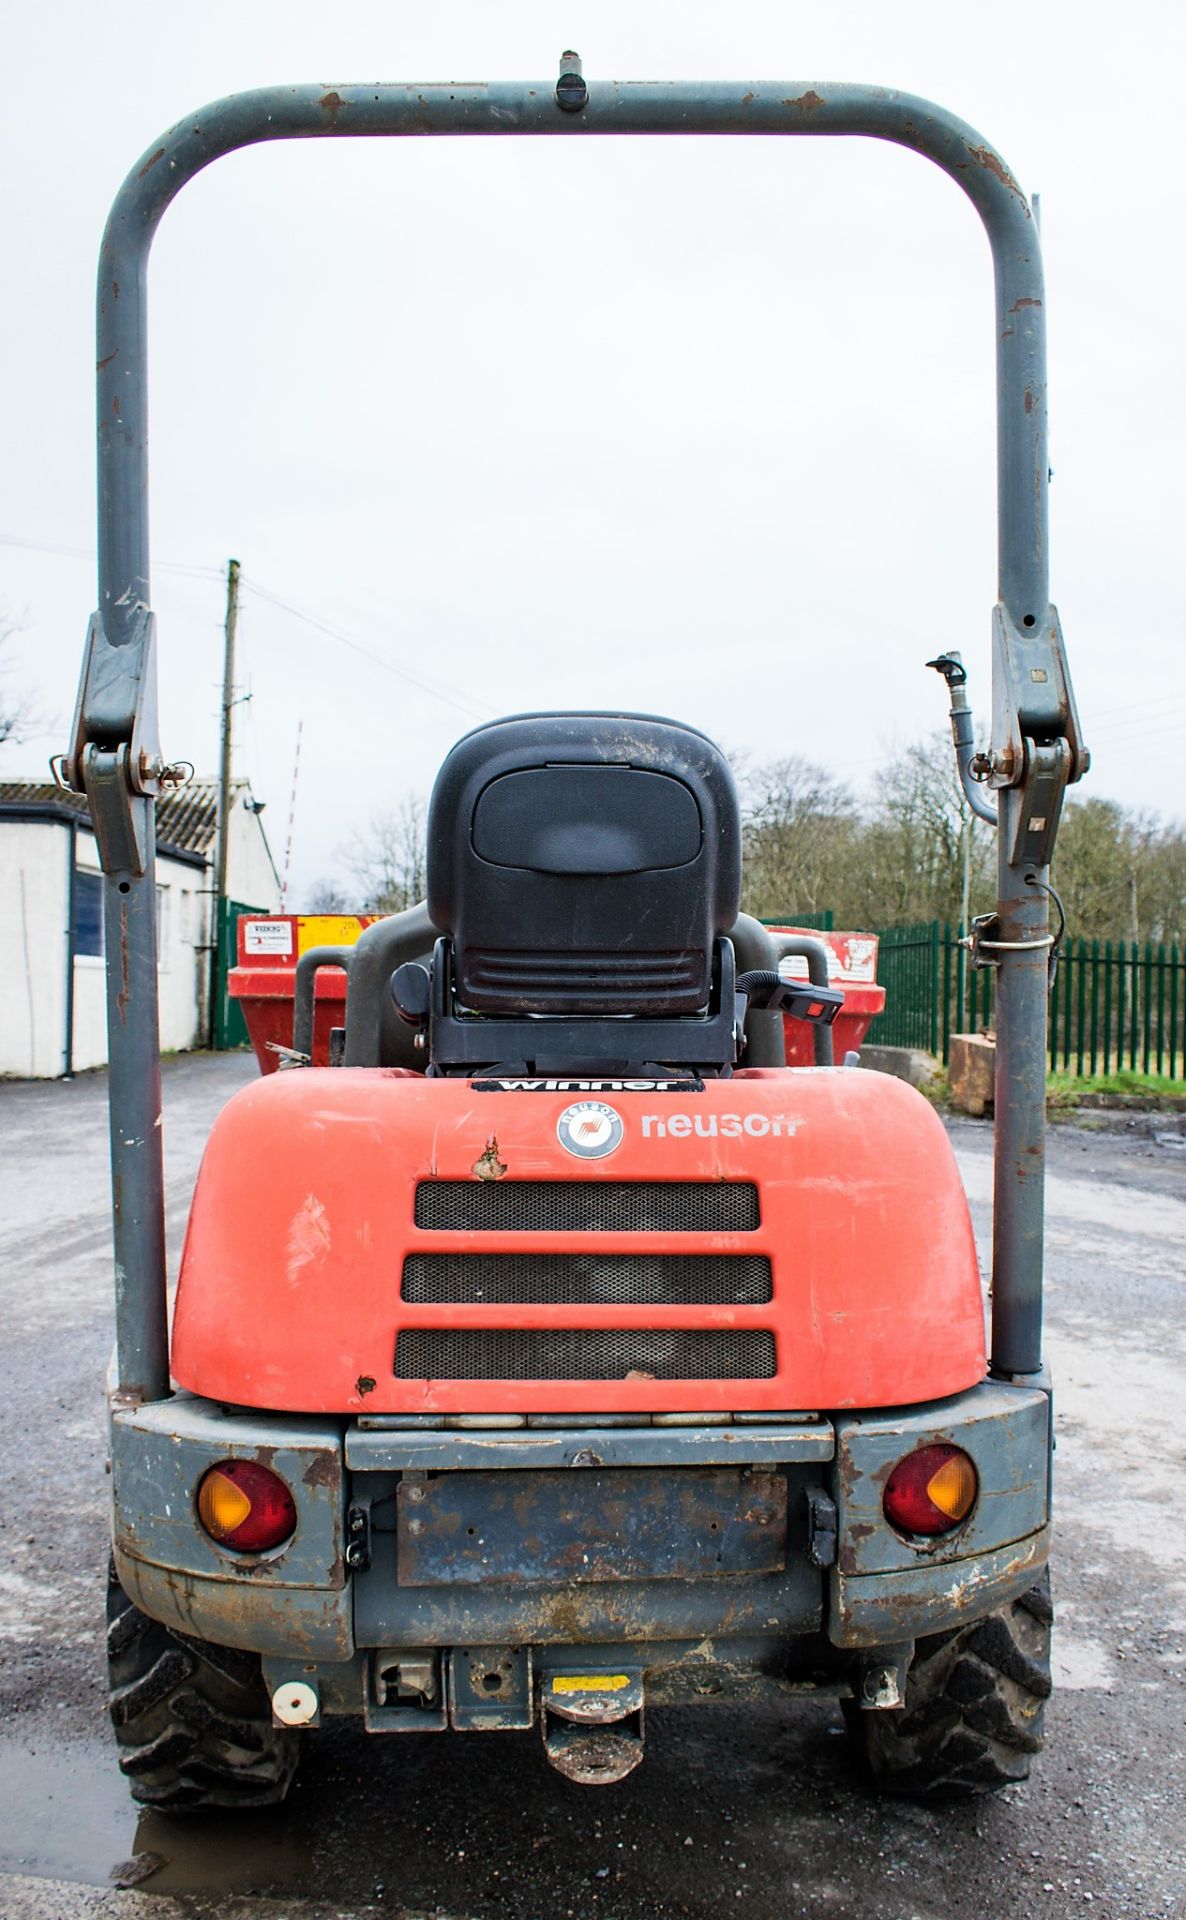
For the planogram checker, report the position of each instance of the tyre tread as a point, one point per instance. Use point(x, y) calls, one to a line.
point(975, 1700)
point(193, 1722)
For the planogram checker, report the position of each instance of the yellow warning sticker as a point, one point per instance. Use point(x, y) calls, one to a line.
point(590, 1682)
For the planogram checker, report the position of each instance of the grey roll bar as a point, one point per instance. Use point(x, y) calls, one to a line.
point(114, 755)
point(304, 992)
point(802, 947)
point(765, 1044)
point(409, 935)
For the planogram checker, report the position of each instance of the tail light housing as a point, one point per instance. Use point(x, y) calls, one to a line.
point(245, 1506)
point(931, 1491)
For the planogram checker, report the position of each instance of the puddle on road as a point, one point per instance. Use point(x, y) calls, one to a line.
point(68, 1815)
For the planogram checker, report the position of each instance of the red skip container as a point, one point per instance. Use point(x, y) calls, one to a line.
point(852, 965)
point(264, 982)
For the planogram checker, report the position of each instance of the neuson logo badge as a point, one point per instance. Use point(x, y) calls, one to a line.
point(589, 1129)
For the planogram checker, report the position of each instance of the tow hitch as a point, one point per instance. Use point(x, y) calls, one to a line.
point(592, 1725)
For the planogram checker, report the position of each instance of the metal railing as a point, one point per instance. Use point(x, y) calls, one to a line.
point(1117, 1006)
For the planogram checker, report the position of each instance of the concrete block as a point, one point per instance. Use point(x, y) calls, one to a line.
point(971, 1064)
point(905, 1063)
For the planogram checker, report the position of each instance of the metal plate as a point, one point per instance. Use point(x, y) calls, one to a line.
point(466, 1529)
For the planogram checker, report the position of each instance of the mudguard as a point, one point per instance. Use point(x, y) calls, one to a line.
point(304, 1221)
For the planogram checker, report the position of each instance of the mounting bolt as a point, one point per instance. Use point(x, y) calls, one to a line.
point(571, 91)
point(358, 1543)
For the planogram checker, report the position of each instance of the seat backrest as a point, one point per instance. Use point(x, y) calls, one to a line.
point(583, 863)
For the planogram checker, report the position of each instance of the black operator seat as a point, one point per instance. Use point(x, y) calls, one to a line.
point(584, 864)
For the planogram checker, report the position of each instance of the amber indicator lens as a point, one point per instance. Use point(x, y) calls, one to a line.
point(245, 1506)
point(931, 1490)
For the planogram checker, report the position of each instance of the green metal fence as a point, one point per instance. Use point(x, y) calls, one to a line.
point(909, 967)
point(230, 1028)
point(1117, 1005)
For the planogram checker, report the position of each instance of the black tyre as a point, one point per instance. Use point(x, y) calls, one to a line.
point(975, 1700)
point(193, 1722)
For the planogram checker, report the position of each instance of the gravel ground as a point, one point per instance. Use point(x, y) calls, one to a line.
point(755, 1812)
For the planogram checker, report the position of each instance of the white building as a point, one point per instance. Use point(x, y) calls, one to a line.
point(53, 999)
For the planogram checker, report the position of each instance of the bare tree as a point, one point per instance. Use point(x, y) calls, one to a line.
point(900, 856)
point(799, 822)
point(916, 837)
point(19, 718)
point(326, 896)
point(388, 857)
point(1121, 872)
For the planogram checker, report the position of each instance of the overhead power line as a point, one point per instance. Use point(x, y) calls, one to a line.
point(88, 553)
point(452, 696)
point(1172, 710)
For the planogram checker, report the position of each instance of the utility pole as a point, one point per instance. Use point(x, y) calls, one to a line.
point(224, 792)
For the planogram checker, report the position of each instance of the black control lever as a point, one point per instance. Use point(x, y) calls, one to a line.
point(767, 991)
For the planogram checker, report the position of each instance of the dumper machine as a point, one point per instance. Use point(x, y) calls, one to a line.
point(559, 1351)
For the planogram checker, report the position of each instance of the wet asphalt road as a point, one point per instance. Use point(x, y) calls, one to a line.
point(734, 1810)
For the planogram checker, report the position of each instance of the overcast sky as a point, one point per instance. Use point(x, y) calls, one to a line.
point(696, 427)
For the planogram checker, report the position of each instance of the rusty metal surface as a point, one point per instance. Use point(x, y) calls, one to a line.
point(389, 1705)
point(566, 1613)
point(433, 1448)
point(295, 1600)
point(593, 1756)
point(402, 1688)
point(1006, 1431)
point(539, 1529)
point(885, 1588)
point(302, 1623)
point(880, 1609)
point(592, 1694)
point(490, 1689)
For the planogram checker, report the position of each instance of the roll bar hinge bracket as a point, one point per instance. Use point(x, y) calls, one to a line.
point(115, 756)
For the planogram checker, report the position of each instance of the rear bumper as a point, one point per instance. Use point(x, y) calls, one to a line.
point(295, 1602)
point(884, 1589)
point(674, 1514)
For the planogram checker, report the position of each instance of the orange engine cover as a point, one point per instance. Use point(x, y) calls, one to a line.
point(781, 1240)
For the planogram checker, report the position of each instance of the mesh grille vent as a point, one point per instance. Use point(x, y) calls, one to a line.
point(587, 1206)
point(473, 1353)
point(569, 981)
point(586, 1279)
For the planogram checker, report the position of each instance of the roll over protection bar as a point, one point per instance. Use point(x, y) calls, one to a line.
point(114, 755)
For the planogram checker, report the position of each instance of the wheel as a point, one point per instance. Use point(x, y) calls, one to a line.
point(193, 1722)
point(975, 1700)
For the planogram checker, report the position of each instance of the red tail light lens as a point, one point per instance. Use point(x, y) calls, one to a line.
point(931, 1490)
point(245, 1506)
